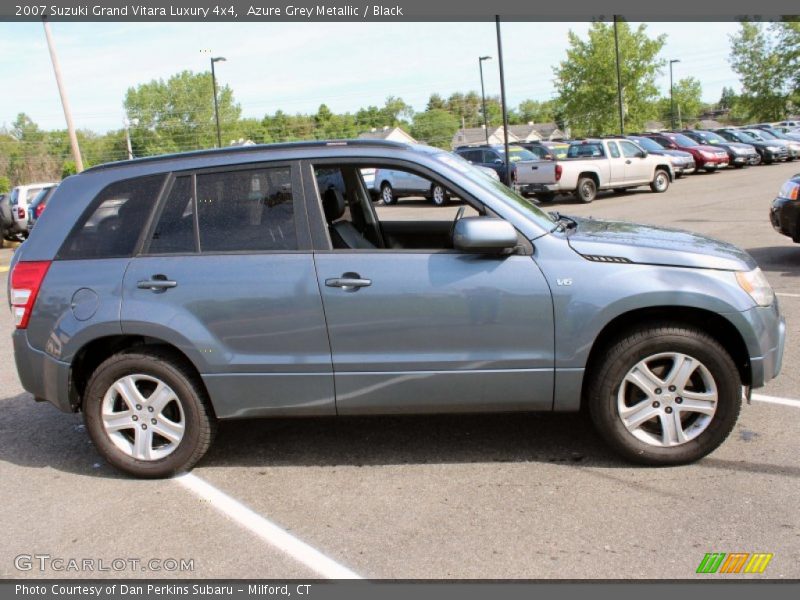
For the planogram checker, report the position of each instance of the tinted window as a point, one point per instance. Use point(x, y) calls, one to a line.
point(246, 210)
point(613, 149)
point(112, 225)
point(174, 232)
point(583, 150)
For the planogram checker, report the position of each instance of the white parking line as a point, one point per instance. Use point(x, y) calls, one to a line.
point(265, 529)
point(776, 400)
point(787, 295)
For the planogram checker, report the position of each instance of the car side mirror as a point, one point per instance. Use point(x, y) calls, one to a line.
point(484, 234)
point(673, 146)
point(643, 154)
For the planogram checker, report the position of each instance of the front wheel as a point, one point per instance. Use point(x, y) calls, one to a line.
point(147, 414)
point(387, 194)
point(660, 183)
point(587, 189)
point(439, 195)
point(664, 395)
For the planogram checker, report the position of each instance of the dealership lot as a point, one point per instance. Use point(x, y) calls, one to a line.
point(519, 496)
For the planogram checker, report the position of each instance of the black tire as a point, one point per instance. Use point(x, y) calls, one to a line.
point(608, 373)
point(439, 195)
point(387, 194)
point(586, 190)
point(545, 197)
point(739, 166)
point(767, 161)
point(660, 183)
point(197, 416)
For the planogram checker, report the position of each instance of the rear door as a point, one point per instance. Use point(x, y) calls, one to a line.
point(227, 275)
point(616, 164)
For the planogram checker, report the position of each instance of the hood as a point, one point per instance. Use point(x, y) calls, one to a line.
point(677, 153)
point(709, 148)
point(647, 244)
point(740, 145)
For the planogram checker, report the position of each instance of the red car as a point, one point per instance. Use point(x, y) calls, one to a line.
point(708, 158)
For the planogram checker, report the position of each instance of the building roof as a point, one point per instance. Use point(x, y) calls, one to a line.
point(476, 135)
point(385, 133)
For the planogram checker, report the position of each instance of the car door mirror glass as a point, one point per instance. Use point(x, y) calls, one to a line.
point(484, 234)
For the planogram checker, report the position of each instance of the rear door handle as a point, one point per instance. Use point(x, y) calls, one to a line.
point(158, 283)
point(349, 282)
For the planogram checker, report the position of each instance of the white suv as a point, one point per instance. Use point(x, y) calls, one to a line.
point(19, 199)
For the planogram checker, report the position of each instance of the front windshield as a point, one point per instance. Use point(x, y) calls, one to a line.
point(496, 188)
point(743, 137)
point(517, 153)
point(713, 138)
point(648, 144)
point(757, 135)
point(683, 140)
point(767, 135)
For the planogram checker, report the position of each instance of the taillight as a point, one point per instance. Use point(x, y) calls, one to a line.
point(26, 278)
point(559, 170)
point(39, 210)
point(20, 212)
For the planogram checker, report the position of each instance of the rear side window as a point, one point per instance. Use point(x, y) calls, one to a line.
point(248, 210)
point(115, 219)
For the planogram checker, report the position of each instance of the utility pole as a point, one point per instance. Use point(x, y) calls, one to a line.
point(503, 99)
point(216, 105)
point(127, 123)
point(73, 138)
point(671, 100)
point(483, 96)
point(619, 80)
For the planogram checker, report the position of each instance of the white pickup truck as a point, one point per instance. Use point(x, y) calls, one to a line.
point(596, 164)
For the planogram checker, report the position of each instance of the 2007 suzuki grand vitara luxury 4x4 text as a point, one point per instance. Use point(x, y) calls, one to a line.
point(161, 294)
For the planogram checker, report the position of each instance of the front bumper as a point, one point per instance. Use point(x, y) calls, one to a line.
point(715, 163)
point(764, 331)
point(785, 217)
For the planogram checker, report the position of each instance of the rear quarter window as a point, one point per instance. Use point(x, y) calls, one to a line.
point(113, 223)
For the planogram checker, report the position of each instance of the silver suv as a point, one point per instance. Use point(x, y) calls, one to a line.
point(159, 295)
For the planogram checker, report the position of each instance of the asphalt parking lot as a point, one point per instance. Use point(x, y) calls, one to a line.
point(519, 496)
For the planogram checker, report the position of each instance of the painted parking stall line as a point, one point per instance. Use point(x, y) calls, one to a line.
point(776, 400)
point(787, 295)
point(265, 529)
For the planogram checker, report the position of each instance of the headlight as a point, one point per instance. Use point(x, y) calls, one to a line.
point(773, 148)
point(756, 285)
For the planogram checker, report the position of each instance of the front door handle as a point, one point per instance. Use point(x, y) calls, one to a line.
point(627, 162)
point(349, 282)
point(157, 283)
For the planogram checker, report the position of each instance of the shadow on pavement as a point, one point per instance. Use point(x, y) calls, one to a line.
point(37, 435)
point(779, 259)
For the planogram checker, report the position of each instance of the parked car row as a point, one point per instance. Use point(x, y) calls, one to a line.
point(21, 207)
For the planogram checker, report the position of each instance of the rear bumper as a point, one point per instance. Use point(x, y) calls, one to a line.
point(538, 188)
point(42, 375)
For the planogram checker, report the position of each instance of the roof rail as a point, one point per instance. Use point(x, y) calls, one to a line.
point(229, 150)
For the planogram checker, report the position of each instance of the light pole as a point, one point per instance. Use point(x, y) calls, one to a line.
point(671, 101)
point(507, 180)
point(483, 95)
point(216, 106)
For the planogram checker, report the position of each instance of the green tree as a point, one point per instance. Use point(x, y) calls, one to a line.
point(588, 79)
point(5, 184)
point(687, 96)
point(727, 99)
point(178, 114)
point(536, 111)
point(435, 127)
point(761, 63)
point(436, 102)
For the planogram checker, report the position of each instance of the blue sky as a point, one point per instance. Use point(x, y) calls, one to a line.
point(297, 66)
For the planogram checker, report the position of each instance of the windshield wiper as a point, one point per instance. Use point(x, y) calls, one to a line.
point(563, 221)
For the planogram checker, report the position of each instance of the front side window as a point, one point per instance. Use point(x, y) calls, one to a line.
point(246, 210)
point(630, 150)
point(114, 222)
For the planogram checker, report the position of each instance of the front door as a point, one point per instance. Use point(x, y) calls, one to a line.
point(415, 329)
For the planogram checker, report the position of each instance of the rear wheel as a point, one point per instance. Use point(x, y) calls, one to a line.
point(660, 183)
point(665, 395)
point(147, 414)
point(586, 190)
